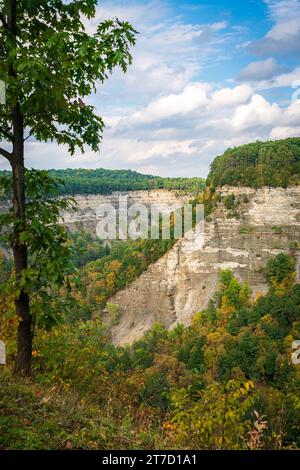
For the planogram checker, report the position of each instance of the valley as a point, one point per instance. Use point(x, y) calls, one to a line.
point(160, 343)
point(261, 223)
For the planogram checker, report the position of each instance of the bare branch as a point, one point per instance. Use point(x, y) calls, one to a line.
point(29, 135)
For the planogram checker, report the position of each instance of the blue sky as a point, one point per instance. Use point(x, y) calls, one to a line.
point(205, 76)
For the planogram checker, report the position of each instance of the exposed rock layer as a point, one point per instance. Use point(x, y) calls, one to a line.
point(264, 223)
point(86, 213)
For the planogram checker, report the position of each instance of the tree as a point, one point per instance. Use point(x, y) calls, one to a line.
point(280, 271)
point(47, 240)
point(49, 63)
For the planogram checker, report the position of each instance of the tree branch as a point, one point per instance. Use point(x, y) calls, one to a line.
point(29, 135)
point(4, 21)
point(6, 134)
point(7, 28)
point(6, 154)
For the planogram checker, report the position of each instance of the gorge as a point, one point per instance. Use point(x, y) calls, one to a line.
point(260, 224)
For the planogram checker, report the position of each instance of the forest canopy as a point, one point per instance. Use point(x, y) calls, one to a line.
point(102, 181)
point(272, 163)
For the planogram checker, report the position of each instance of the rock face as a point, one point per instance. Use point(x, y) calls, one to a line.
point(264, 223)
point(87, 206)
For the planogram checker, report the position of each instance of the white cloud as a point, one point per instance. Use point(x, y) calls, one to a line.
point(192, 97)
point(168, 54)
point(260, 70)
point(201, 122)
point(284, 132)
point(292, 114)
point(285, 80)
point(228, 97)
point(258, 112)
point(174, 123)
point(284, 37)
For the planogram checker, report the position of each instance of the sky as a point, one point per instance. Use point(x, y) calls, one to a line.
point(206, 75)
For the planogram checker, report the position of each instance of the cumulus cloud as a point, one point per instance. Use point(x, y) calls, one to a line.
point(201, 122)
point(192, 97)
point(174, 122)
point(258, 112)
point(292, 114)
point(228, 97)
point(177, 137)
point(169, 52)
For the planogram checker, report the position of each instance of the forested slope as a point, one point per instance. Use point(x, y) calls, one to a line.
point(225, 382)
point(272, 163)
point(102, 181)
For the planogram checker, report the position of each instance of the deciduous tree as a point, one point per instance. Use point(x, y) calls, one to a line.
point(49, 62)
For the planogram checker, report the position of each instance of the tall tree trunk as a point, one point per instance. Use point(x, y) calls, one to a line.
point(24, 351)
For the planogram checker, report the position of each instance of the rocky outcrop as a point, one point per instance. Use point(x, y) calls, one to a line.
point(86, 213)
point(263, 223)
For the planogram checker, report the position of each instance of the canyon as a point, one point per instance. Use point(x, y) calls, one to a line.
point(87, 205)
point(263, 223)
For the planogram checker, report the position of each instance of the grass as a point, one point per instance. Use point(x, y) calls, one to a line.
point(34, 417)
point(247, 229)
point(277, 230)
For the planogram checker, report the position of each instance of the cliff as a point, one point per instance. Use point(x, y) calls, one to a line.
point(87, 205)
point(263, 223)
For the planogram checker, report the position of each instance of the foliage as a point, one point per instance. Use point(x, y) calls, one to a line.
point(36, 416)
point(117, 265)
point(85, 247)
point(103, 181)
point(96, 282)
point(49, 63)
point(46, 240)
point(280, 270)
point(217, 419)
point(247, 229)
point(56, 64)
point(224, 382)
point(229, 201)
point(273, 163)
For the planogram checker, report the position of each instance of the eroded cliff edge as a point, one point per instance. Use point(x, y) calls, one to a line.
point(264, 223)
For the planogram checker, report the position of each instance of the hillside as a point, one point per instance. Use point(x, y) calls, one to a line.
point(245, 229)
point(165, 344)
point(272, 163)
point(102, 181)
point(225, 382)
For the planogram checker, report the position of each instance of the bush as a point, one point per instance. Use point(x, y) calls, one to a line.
point(229, 201)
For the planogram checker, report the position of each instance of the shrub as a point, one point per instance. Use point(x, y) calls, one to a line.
point(229, 201)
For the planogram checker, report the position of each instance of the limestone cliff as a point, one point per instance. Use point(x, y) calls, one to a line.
point(264, 223)
point(87, 205)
